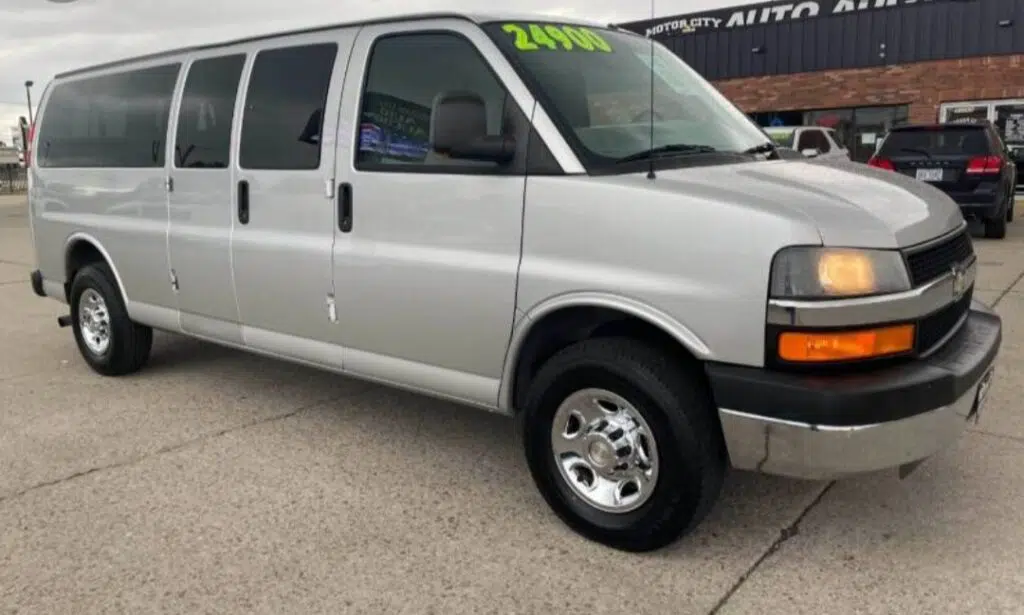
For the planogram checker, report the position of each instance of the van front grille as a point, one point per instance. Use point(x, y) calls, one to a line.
point(937, 325)
point(937, 260)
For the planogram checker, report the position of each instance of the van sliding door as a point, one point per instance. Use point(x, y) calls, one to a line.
point(284, 214)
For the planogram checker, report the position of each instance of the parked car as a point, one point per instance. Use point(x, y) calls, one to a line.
point(424, 202)
point(967, 161)
point(811, 141)
point(1017, 152)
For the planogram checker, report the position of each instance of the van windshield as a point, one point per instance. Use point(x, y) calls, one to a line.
point(596, 84)
point(782, 137)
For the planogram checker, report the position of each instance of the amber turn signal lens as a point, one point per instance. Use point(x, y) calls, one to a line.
point(822, 346)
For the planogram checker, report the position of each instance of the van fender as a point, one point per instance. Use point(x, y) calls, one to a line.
point(77, 237)
point(521, 330)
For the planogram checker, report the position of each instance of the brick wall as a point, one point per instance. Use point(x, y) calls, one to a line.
point(923, 85)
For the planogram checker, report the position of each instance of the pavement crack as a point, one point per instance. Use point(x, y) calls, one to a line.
point(7, 262)
point(1008, 289)
point(175, 447)
point(785, 534)
point(1001, 436)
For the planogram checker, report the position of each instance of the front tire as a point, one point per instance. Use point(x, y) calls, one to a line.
point(623, 443)
point(108, 340)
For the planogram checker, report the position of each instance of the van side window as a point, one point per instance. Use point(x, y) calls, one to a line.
point(284, 107)
point(203, 138)
point(406, 72)
point(117, 120)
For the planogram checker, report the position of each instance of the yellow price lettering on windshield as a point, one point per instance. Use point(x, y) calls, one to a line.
point(533, 37)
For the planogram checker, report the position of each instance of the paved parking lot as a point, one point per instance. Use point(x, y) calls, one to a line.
point(215, 481)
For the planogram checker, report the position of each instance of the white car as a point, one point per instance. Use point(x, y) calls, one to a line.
point(811, 141)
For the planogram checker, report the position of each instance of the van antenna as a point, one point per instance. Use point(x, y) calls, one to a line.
point(650, 157)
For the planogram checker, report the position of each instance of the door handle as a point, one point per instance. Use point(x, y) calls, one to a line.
point(345, 207)
point(243, 202)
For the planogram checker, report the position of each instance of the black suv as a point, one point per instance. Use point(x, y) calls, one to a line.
point(967, 161)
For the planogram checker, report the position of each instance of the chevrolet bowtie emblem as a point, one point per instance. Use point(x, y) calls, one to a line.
point(959, 280)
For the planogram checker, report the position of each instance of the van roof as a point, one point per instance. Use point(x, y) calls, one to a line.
point(473, 17)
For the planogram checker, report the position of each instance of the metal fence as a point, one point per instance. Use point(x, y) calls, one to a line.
point(12, 179)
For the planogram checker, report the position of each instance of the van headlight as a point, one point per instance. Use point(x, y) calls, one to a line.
point(804, 272)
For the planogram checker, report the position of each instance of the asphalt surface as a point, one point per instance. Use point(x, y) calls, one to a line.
point(219, 482)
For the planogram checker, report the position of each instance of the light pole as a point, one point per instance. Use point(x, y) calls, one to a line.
point(28, 95)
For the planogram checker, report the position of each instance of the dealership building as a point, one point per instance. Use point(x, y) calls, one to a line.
point(860, 66)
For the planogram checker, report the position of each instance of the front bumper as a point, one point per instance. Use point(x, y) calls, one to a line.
point(823, 427)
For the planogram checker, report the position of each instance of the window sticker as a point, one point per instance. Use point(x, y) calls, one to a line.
point(551, 37)
point(394, 128)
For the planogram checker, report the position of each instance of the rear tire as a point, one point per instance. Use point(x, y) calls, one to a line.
point(995, 228)
point(110, 343)
point(654, 416)
point(1011, 204)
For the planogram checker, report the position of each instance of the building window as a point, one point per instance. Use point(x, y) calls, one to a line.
point(1007, 115)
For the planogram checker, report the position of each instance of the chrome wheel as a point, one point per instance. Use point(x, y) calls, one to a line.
point(94, 321)
point(605, 450)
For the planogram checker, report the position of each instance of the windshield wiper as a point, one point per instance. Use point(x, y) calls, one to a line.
point(675, 148)
point(915, 150)
point(764, 148)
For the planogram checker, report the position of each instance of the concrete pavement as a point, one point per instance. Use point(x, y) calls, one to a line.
point(219, 482)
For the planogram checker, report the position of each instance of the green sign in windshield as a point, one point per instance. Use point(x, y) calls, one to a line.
point(552, 37)
point(781, 137)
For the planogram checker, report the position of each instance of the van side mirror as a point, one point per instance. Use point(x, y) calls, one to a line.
point(458, 129)
point(810, 152)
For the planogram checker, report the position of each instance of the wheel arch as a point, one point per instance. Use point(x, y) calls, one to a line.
point(557, 322)
point(81, 249)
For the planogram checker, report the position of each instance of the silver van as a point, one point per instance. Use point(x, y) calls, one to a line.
point(557, 221)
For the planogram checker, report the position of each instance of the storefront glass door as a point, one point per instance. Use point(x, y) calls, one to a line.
point(1007, 115)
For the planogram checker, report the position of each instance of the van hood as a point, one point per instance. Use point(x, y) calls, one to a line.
point(850, 203)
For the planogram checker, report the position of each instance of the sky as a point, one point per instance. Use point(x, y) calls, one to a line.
point(40, 38)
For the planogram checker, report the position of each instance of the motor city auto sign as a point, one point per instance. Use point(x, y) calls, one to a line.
point(770, 13)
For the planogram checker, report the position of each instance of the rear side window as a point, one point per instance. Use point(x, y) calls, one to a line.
point(941, 140)
point(284, 107)
point(116, 121)
point(203, 138)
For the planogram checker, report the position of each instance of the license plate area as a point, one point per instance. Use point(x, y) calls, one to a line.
point(981, 395)
point(929, 175)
